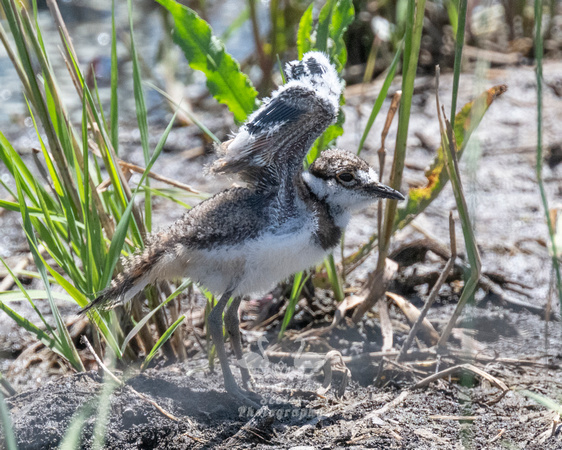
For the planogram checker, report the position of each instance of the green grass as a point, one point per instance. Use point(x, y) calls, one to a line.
point(539, 156)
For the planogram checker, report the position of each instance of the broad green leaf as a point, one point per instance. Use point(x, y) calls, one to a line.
point(323, 142)
point(342, 17)
point(205, 52)
point(323, 27)
point(304, 34)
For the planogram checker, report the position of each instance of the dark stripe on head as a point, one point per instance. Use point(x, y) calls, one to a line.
point(298, 71)
point(314, 67)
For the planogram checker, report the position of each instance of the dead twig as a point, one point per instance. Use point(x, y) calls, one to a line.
point(202, 441)
point(462, 368)
point(434, 291)
point(138, 169)
point(390, 405)
point(386, 327)
point(427, 332)
point(497, 437)
point(376, 287)
point(379, 278)
point(382, 150)
point(458, 418)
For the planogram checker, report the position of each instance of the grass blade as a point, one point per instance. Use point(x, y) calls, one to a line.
point(448, 143)
point(63, 337)
point(335, 279)
point(35, 294)
point(164, 338)
point(409, 67)
point(539, 160)
point(7, 427)
point(544, 401)
point(147, 317)
point(380, 98)
point(467, 120)
point(71, 438)
point(114, 112)
point(298, 284)
point(461, 20)
point(121, 230)
point(142, 120)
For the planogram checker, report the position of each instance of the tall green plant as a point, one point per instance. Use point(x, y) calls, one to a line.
point(205, 52)
point(412, 42)
point(539, 160)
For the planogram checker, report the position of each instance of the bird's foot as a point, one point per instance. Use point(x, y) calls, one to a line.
point(247, 397)
point(248, 383)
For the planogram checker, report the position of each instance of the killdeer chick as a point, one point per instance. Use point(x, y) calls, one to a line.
point(244, 240)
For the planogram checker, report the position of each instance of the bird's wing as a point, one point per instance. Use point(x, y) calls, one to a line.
point(271, 145)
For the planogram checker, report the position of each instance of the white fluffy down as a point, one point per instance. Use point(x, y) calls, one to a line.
point(253, 267)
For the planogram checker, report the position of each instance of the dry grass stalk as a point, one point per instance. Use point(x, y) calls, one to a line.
point(434, 291)
point(462, 368)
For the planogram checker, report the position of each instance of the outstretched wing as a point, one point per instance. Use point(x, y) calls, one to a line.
point(271, 145)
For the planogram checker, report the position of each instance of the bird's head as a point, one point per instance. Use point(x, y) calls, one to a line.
point(346, 182)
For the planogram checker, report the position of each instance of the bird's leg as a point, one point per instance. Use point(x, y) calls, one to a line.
point(233, 327)
point(215, 327)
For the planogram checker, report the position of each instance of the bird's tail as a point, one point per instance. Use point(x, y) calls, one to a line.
point(140, 270)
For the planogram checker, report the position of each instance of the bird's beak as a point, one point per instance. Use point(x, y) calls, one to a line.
point(382, 191)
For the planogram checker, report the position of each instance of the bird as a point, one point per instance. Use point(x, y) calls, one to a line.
point(244, 240)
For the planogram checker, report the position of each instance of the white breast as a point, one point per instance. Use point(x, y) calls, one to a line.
point(257, 265)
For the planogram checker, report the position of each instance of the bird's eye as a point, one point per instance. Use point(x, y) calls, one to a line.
point(346, 177)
